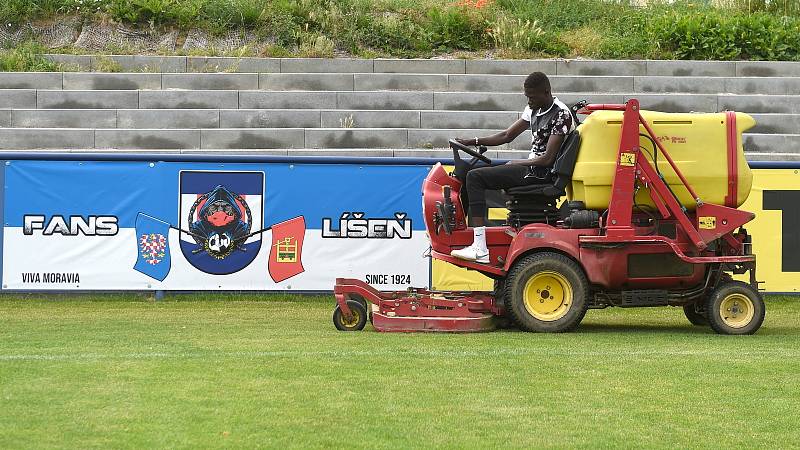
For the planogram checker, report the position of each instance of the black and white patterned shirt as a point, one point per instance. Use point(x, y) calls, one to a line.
point(555, 120)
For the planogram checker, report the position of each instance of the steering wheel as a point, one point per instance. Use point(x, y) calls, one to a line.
point(454, 144)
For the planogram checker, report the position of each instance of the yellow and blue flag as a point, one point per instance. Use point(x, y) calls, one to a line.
point(152, 241)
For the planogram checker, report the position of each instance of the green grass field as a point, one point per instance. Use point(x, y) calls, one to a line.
point(239, 371)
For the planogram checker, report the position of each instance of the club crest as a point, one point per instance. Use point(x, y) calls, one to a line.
point(152, 247)
point(221, 215)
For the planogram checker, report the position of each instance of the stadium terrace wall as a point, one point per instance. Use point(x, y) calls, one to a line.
point(110, 222)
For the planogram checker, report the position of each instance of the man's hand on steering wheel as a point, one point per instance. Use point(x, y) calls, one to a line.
point(464, 145)
point(465, 141)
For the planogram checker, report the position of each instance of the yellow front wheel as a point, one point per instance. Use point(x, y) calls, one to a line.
point(546, 292)
point(735, 308)
point(353, 322)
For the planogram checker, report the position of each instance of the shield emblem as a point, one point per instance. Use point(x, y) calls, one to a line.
point(220, 215)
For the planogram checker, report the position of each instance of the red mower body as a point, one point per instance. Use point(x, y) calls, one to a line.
point(543, 271)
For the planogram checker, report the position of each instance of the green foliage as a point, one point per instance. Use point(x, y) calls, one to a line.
point(16, 12)
point(26, 58)
point(312, 45)
point(780, 7)
point(561, 14)
point(730, 36)
point(399, 35)
point(213, 14)
point(280, 24)
point(142, 11)
point(697, 29)
point(106, 64)
point(615, 46)
point(516, 34)
point(232, 13)
point(84, 8)
point(275, 51)
point(455, 29)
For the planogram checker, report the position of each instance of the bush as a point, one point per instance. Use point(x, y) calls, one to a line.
point(780, 7)
point(729, 37)
point(455, 29)
point(154, 12)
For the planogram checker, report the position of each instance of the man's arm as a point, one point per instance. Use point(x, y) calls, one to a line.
point(549, 157)
point(500, 138)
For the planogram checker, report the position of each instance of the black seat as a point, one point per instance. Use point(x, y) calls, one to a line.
point(537, 202)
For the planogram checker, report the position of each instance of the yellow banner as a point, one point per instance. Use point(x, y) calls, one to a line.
point(775, 199)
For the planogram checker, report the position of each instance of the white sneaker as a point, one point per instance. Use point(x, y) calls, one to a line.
point(472, 253)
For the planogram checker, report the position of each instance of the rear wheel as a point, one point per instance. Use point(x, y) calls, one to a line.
point(735, 308)
point(546, 292)
point(503, 321)
point(695, 314)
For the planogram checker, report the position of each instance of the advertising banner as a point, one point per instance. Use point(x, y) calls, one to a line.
point(117, 225)
point(140, 225)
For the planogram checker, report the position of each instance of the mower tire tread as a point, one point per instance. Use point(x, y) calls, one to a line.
point(355, 323)
point(531, 265)
point(695, 318)
point(728, 293)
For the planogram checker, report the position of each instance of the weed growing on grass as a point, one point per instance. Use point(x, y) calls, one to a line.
point(456, 29)
point(222, 15)
point(583, 41)
point(347, 122)
point(395, 33)
point(104, 63)
point(312, 45)
point(27, 57)
point(511, 34)
point(274, 51)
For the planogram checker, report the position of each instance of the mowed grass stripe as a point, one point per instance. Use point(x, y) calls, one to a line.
point(271, 371)
point(764, 353)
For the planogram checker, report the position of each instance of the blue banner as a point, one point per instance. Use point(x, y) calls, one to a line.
point(152, 239)
point(197, 226)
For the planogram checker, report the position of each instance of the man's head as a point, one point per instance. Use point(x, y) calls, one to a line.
point(537, 89)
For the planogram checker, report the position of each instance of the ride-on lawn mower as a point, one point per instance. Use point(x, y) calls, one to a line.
point(632, 232)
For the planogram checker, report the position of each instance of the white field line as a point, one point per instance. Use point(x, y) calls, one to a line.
point(619, 353)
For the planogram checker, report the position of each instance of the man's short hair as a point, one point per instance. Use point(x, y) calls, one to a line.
point(537, 80)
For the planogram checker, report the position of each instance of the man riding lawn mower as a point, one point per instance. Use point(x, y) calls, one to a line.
point(650, 219)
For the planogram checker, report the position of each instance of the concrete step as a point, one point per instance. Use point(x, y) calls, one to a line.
point(181, 64)
point(286, 138)
point(776, 124)
point(374, 100)
point(396, 82)
point(236, 138)
point(299, 118)
point(252, 118)
point(436, 153)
